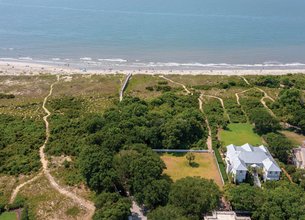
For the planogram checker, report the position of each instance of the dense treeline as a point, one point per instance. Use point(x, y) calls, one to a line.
point(169, 121)
point(113, 150)
point(276, 200)
point(290, 107)
point(20, 139)
point(287, 81)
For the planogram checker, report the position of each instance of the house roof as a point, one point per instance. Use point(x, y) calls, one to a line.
point(271, 165)
point(245, 155)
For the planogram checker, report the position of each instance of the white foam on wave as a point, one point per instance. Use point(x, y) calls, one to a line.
point(86, 58)
point(218, 65)
point(56, 59)
point(7, 49)
point(25, 58)
point(113, 60)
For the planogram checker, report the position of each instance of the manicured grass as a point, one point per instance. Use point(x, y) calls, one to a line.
point(295, 138)
point(8, 216)
point(240, 134)
point(178, 167)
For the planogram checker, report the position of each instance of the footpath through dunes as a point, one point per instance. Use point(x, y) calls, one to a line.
point(262, 100)
point(19, 187)
point(209, 139)
point(222, 104)
point(177, 83)
point(83, 202)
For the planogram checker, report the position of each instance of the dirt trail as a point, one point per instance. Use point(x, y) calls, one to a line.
point(177, 83)
point(209, 139)
point(247, 82)
point(222, 104)
point(87, 204)
point(17, 189)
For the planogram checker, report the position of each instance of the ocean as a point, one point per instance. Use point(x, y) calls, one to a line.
point(155, 34)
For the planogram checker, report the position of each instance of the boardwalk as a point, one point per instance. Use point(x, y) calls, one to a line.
point(124, 86)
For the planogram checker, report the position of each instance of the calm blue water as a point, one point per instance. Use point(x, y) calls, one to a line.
point(154, 32)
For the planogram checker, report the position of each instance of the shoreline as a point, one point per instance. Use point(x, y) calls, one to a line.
point(28, 68)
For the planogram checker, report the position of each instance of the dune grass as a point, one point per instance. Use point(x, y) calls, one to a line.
point(239, 134)
point(204, 166)
point(296, 139)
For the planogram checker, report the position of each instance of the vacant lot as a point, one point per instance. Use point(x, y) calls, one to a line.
point(239, 134)
point(178, 167)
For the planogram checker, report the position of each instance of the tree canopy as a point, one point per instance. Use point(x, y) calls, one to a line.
point(194, 195)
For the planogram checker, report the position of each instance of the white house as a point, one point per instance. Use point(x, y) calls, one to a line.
point(299, 156)
point(225, 215)
point(240, 158)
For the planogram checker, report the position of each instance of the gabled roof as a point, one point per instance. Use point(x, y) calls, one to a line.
point(241, 157)
point(270, 165)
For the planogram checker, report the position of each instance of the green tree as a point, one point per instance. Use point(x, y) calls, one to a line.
point(140, 172)
point(190, 156)
point(282, 201)
point(264, 122)
point(111, 206)
point(279, 146)
point(244, 197)
point(95, 164)
point(195, 196)
point(168, 212)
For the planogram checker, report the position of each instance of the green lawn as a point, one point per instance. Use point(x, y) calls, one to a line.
point(240, 134)
point(178, 167)
point(8, 216)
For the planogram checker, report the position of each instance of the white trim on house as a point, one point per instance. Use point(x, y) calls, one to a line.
point(240, 158)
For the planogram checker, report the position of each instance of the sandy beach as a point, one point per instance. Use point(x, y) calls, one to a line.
point(27, 68)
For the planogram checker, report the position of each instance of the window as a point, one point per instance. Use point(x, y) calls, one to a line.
point(270, 172)
point(241, 171)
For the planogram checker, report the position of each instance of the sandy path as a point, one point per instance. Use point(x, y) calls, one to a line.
point(18, 188)
point(222, 104)
point(209, 139)
point(177, 83)
point(87, 204)
point(136, 211)
point(246, 81)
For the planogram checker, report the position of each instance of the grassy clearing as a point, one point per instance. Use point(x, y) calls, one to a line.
point(88, 85)
point(178, 167)
point(8, 216)
point(240, 134)
point(29, 92)
point(295, 138)
point(138, 83)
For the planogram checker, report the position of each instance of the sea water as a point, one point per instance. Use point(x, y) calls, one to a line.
point(155, 33)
